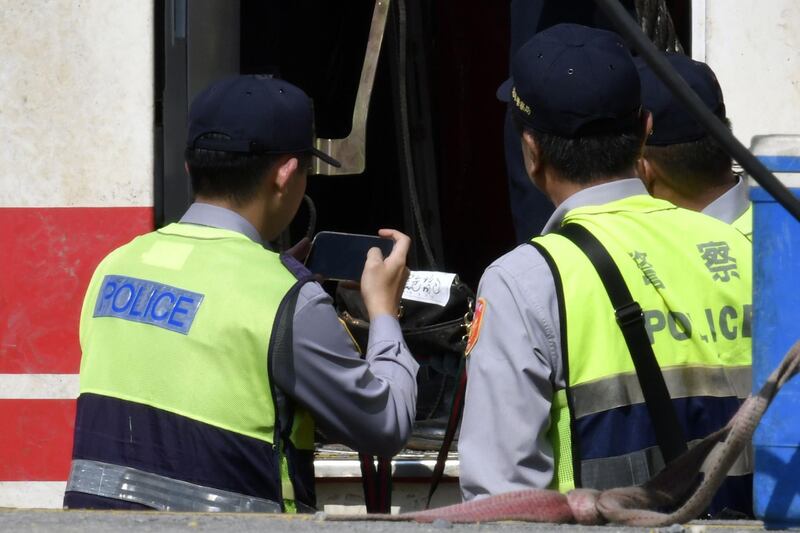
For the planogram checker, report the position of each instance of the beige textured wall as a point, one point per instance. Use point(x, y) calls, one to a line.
point(753, 45)
point(76, 103)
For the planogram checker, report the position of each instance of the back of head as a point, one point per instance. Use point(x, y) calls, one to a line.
point(678, 144)
point(239, 127)
point(577, 91)
point(231, 176)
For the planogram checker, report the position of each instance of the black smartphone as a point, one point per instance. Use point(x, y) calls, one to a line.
point(341, 256)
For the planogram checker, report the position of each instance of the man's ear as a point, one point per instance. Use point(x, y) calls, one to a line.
point(646, 172)
point(283, 173)
point(647, 124)
point(531, 153)
point(640, 167)
point(644, 166)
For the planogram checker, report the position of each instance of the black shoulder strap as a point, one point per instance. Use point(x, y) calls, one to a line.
point(669, 433)
point(281, 363)
point(281, 359)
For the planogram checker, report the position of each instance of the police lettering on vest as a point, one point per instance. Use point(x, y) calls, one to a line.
point(196, 365)
point(695, 294)
point(148, 302)
point(729, 321)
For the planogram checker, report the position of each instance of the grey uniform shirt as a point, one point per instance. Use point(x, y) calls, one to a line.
point(515, 366)
point(730, 205)
point(368, 404)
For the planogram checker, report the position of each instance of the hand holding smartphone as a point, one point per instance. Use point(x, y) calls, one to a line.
point(350, 257)
point(384, 277)
point(341, 256)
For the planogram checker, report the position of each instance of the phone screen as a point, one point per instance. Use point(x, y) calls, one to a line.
point(341, 256)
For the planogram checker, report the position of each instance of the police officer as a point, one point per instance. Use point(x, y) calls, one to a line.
point(530, 208)
point(552, 398)
point(681, 162)
point(207, 357)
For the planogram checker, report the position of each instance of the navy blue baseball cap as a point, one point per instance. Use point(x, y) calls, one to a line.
point(672, 122)
point(572, 81)
point(259, 114)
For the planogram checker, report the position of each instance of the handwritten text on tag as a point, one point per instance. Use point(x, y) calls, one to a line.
point(429, 287)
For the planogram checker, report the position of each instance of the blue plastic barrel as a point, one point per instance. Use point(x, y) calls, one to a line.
point(776, 326)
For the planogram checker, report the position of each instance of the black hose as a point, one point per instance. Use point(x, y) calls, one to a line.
point(627, 27)
point(408, 162)
point(312, 216)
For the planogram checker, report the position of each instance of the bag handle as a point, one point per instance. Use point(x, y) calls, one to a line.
point(456, 409)
point(377, 483)
point(669, 433)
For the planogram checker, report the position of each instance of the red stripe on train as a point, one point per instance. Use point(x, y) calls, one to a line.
point(36, 441)
point(48, 256)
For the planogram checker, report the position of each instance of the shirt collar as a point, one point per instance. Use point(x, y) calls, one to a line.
point(731, 204)
point(595, 195)
point(219, 217)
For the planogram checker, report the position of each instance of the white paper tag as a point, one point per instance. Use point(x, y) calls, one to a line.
point(429, 287)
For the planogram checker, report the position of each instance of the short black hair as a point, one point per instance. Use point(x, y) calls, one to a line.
point(589, 158)
point(697, 163)
point(231, 175)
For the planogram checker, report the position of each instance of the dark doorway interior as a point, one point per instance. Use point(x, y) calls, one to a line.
point(319, 46)
point(456, 55)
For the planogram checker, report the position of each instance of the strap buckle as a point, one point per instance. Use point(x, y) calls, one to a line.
point(628, 314)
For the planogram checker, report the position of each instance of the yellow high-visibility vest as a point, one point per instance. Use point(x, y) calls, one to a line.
point(181, 319)
point(692, 276)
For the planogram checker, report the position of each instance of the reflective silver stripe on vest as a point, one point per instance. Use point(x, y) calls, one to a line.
point(159, 492)
point(683, 382)
point(637, 467)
